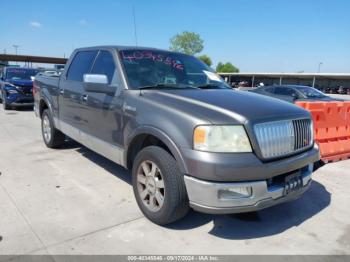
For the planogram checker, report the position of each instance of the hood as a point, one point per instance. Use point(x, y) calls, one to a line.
point(24, 83)
point(226, 106)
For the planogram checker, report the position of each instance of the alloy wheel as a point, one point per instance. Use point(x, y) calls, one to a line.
point(150, 186)
point(46, 129)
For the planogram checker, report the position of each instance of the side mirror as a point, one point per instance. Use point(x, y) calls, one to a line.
point(98, 84)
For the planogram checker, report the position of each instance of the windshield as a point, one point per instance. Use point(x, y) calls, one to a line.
point(20, 74)
point(310, 91)
point(162, 69)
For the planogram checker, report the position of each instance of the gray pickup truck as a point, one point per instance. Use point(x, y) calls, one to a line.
point(189, 139)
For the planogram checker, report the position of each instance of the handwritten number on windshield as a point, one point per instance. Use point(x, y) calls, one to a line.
point(139, 55)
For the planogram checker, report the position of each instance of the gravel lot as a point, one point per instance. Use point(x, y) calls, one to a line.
point(73, 201)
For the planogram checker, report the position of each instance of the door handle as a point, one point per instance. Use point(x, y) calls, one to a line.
point(128, 108)
point(61, 91)
point(85, 98)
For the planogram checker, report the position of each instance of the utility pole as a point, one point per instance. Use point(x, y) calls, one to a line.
point(16, 50)
point(318, 71)
point(319, 67)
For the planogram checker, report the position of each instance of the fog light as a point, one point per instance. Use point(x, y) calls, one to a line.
point(234, 193)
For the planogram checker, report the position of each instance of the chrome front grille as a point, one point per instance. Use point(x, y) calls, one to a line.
point(303, 133)
point(280, 138)
point(25, 89)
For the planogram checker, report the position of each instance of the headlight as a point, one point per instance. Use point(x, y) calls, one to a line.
point(12, 91)
point(221, 139)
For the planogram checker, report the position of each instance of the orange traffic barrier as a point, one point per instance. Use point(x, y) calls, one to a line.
point(331, 128)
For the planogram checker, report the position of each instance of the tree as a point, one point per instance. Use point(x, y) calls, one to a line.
point(206, 59)
point(226, 68)
point(189, 43)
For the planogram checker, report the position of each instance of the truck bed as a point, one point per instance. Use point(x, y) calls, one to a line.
point(47, 81)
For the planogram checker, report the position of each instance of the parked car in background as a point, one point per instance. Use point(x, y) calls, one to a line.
point(189, 139)
point(293, 93)
point(55, 73)
point(16, 87)
point(343, 90)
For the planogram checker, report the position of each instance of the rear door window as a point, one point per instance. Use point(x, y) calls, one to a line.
point(81, 64)
point(104, 65)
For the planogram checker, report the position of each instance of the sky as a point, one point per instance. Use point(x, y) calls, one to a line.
point(255, 35)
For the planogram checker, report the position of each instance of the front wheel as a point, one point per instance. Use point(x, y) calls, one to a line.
point(5, 105)
point(159, 186)
point(53, 138)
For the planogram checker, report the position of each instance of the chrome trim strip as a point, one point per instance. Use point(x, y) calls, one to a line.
point(112, 152)
point(204, 193)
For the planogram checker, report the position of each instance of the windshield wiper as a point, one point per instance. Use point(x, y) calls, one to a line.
point(165, 86)
point(316, 96)
point(154, 86)
point(211, 86)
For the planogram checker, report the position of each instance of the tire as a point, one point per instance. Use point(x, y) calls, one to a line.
point(175, 200)
point(53, 138)
point(5, 105)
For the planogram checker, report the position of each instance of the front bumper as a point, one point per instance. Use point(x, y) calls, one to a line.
point(24, 104)
point(205, 196)
point(20, 100)
point(242, 167)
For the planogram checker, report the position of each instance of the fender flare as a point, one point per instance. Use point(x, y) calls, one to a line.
point(49, 105)
point(45, 97)
point(161, 135)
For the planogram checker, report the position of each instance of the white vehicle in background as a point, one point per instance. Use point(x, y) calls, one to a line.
point(50, 73)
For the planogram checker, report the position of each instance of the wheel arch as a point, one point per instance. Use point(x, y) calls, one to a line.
point(42, 106)
point(136, 141)
point(44, 103)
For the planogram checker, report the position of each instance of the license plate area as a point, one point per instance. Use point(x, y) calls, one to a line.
point(292, 183)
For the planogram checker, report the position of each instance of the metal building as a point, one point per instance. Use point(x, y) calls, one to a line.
point(322, 81)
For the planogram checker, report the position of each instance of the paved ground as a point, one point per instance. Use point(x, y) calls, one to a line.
point(73, 201)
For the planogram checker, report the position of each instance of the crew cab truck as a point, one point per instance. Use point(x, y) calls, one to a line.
point(16, 84)
point(189, 139)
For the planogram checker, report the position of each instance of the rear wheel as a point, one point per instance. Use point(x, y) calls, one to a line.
point(53, 138)
point(159, 186)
